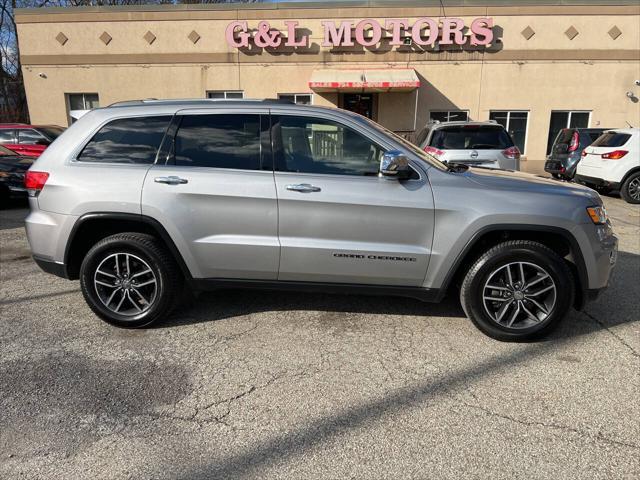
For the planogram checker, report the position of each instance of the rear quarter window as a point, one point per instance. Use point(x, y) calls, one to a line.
point(611, 139)
point(126, 140)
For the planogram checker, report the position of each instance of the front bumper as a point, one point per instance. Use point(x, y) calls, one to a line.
point(49, 266)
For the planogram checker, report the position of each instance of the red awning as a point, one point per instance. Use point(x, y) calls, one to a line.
point(382, 80)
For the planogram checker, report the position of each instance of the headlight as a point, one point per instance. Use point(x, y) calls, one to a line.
point(598, 215)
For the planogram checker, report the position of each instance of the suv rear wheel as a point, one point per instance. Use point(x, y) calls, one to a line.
point(130, 280)
point(630, 190)
point(517, 291)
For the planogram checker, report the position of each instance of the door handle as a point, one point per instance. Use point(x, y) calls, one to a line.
point(303, 187)
point(171, 180)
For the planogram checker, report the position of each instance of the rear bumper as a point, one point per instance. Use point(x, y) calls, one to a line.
point(559, 168)
point(597, 182)
point(49, 266)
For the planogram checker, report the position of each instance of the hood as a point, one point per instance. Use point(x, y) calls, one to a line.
point(521, 181)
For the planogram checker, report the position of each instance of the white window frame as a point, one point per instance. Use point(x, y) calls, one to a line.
point(76, 114)
point(295, 97)
point(448, 112)
point(225, 93)
point(571, 112)
point(526, 132)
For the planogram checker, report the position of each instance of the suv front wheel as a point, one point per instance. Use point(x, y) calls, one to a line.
point(517, 291)
point(130, 280)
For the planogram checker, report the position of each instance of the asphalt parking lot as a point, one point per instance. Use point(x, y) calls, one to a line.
point(288, 385)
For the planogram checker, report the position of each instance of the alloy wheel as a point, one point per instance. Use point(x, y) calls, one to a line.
point(125, 284)
point(519, 295)
point(634, 188)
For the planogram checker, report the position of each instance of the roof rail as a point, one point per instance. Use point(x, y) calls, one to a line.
point(198, 100)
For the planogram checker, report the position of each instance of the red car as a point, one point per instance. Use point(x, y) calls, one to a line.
point(28, 140)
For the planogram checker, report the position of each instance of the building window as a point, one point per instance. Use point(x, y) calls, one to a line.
point(565, 119)
point(226, 94)
point(81, 103)
point(449, 116)
point(514, 122)
point(299, 98)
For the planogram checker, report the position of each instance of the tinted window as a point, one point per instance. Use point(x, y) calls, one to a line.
point(476, 137)
point(28, 136)
point(611, 139)
point(310, 145)
point(7, 136)
point(128, 140)
point(219, 141)
point(51, 132)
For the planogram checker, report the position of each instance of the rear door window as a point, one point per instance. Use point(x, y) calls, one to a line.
point(219, 141)
point(611, 139)
point(476, 137)
point(27, 136)
point(126, 140)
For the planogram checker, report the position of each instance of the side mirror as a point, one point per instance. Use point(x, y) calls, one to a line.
point(395, 164)
point(43, 142)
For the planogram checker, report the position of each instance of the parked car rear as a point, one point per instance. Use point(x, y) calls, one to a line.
point(567, 150)
point(12, 170)
point(612, 162)
point(484, 144)
point(28, 140)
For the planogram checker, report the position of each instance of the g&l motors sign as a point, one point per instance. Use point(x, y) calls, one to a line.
point(367, 33)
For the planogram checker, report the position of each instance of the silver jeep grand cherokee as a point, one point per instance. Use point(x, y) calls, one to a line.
point(145, 200)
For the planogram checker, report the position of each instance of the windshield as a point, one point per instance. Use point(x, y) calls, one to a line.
point(5, 152)
point(476, 137)
point(51, 132)
point(429, 159)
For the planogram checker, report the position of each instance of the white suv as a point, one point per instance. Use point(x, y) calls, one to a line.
point(612, 162)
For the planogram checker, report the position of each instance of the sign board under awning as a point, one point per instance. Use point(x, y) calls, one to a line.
point(378, 80)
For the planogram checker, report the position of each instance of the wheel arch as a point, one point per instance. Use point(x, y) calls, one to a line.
point(558, 239)
point(93, 227)
point(628, 174)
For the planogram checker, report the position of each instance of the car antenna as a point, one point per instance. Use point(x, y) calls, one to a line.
point(630, 126)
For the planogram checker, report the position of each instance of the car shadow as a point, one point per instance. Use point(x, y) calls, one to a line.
point(228, 304)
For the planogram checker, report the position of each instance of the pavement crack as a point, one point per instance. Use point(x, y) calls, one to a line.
point(526, 423)
point(614, 334)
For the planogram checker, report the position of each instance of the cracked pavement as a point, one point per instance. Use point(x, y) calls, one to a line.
point(246, 384)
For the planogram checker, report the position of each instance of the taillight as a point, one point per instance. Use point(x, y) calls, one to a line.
point(615, 155)
point(584, 152)
point(34, 182)
point(575, 142)
point(433, 151)
point(512, 153)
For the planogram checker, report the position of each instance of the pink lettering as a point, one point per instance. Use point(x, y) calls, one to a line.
point(242, 39)
point(291, 35)
point(376, 32)
point(336, 37)
point(396, 27)
point(416, 31)
point(482, 27)
point(452, 26)
point(264, 37)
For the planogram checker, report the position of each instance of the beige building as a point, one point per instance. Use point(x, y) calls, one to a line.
point(545, 67)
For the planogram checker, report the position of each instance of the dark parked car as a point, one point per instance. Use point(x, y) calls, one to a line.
point(12, 170)
point(567, 150)
point(28, 140)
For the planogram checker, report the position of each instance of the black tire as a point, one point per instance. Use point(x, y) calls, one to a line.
point(141, 249)
point(630, 189)
point(533, 253)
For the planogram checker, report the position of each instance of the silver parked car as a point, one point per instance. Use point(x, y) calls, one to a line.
point(480, 144)
point(142, 199)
